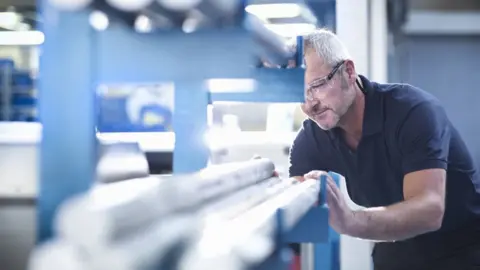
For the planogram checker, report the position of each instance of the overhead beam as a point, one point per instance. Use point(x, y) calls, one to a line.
point(17, 3)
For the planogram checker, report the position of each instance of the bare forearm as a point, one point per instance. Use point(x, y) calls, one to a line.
point(399, 221)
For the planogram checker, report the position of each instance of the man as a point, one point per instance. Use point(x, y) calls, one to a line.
point(403, 161)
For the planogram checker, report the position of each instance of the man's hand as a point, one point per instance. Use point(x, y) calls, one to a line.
point(341, 217)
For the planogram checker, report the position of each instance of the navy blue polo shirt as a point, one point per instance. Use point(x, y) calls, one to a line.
point(405, 129)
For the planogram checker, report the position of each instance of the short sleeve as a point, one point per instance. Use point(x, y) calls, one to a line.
point(300, 155)
point(424, 138)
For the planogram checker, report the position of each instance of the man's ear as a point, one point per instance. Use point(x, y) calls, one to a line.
point(349, 67)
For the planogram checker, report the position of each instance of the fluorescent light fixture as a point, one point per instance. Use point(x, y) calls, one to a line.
point(21, 38)
point(291, 29)
point(272, 11)
point(231, 85)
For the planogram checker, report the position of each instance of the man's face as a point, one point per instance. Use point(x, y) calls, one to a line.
point(328, 91)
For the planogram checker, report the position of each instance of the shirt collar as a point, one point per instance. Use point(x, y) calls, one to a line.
point(373, 113)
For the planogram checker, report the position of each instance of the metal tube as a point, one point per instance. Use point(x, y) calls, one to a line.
point(299, 201)
point(96, 220)
point(222, 179)
point(235, 237)
point(57, 255)
point(162, 18)
point(195, 14)
point(216, 250)
point(239, 202)
point(273, 47)
point(218, 9)
point(294, 202)
point(113, 211)
point(151, 248)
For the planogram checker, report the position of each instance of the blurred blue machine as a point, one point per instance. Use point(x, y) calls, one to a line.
point(135, 108)
point(18, 93)
point(91, 46)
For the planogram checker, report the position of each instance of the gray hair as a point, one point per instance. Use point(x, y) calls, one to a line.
point(327, 45)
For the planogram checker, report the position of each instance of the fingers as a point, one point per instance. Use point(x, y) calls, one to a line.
point(332, 190)
point(332, 196)
point(333, 186)
point(315, 174)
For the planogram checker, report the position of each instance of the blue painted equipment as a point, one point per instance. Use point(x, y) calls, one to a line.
point(18, 95)
point(119, 55)
point(135, 109)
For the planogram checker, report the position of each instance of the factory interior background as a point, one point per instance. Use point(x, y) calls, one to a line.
point(433, 44)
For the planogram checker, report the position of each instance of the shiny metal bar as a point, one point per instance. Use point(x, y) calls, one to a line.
point(108, 214)
point(113, 211)
point(272, 47)
point(58, 255)
point(239, 202)
point(218, 180)
point(257, 228)
point(150, 248)
point(294, 202)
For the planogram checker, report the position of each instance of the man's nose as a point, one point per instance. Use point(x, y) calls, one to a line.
point(308, 105)
point(311, 100)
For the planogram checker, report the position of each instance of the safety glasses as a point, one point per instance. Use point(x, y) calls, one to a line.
point(322, 84)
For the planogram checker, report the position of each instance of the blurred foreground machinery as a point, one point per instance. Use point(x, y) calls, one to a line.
point(234, 216)
point(19, 188)
point(207, 50)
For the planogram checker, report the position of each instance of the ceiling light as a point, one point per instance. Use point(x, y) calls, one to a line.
point(99, 20)
point(21, 38)
point(291, 29)
point(231, 85)
point(271, 11)
point(143, 24)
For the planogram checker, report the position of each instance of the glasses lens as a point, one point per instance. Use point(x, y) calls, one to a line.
point(318, 88)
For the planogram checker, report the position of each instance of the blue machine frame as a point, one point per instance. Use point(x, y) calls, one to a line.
point(76, 59)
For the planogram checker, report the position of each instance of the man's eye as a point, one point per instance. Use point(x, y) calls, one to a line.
point(318, 85)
